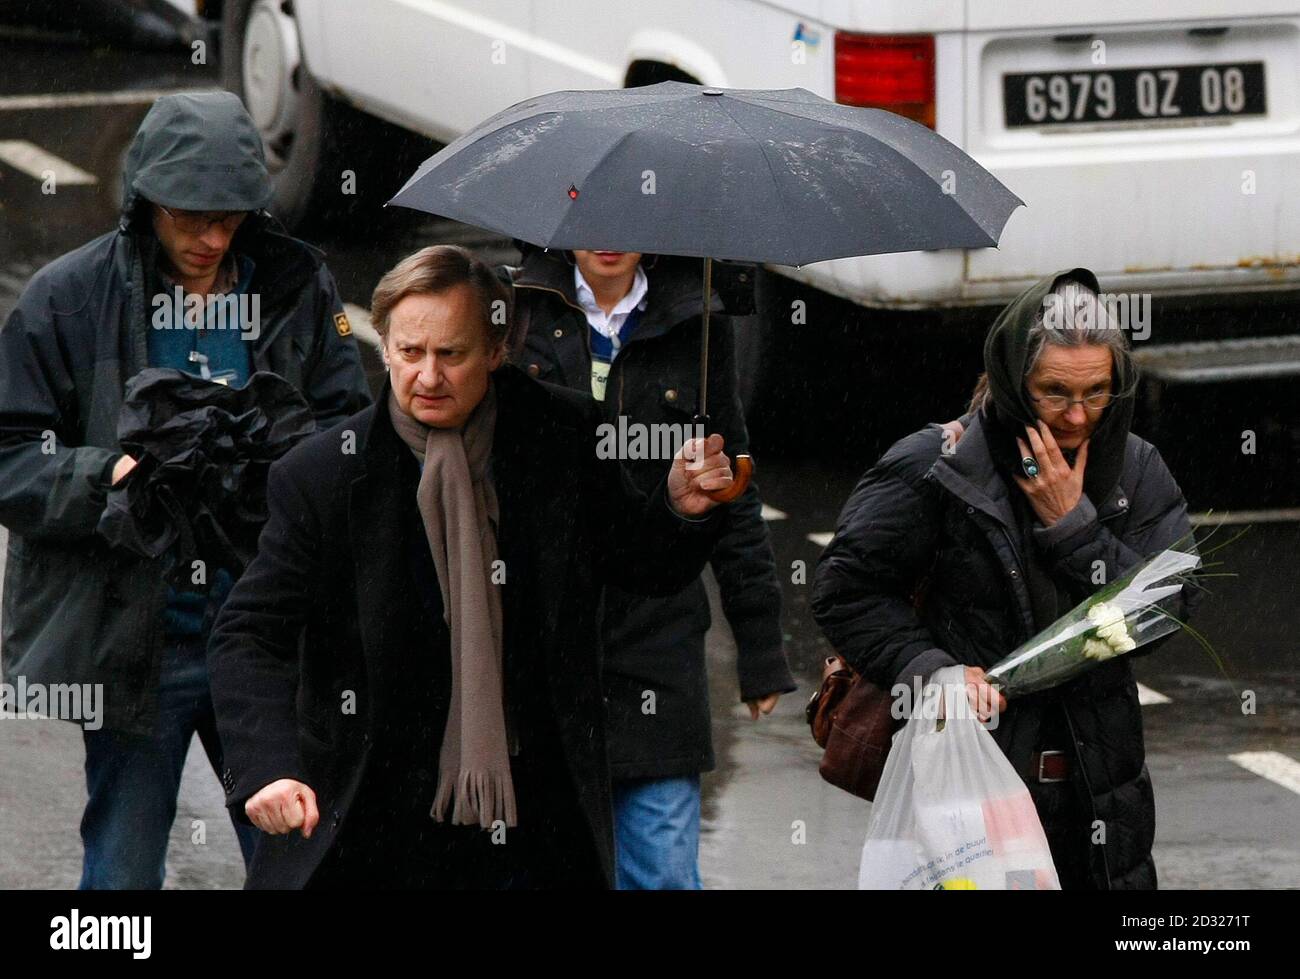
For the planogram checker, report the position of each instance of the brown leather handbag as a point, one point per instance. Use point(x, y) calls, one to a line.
point(850, 717)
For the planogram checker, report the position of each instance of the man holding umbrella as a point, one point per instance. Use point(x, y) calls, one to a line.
point(77, 610)
point(438, 724)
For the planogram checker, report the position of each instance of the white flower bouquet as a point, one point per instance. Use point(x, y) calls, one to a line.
point(1118, 619)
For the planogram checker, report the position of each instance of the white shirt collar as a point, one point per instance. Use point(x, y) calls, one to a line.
point(611, 324)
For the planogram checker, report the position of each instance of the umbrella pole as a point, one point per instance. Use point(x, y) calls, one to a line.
point(703, 408)
point(742, 466)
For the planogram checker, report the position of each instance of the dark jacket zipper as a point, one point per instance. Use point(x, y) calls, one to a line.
point(1092, 805)
point(1083, 772)
point(1020, 567)
point(1083, 769)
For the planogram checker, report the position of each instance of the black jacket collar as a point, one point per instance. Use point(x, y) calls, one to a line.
point(970, 474)
point(675, 293)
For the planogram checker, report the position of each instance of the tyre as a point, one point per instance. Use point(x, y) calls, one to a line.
point(329, 162)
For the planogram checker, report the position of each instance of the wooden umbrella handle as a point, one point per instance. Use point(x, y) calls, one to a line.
point(742, 468)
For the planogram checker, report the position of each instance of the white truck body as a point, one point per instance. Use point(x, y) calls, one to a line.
point(1164, 205)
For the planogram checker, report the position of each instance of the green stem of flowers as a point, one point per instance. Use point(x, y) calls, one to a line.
point(1201, 641)
point(1222, 544)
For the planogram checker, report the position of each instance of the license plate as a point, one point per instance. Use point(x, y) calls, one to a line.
point(1134, 94)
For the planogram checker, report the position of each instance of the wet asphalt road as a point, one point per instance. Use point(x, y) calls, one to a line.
point(1219, 822)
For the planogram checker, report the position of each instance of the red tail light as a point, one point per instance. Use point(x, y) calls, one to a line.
point(887, 72)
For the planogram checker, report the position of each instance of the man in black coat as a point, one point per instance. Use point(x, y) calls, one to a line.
point(999, 554)
point(339, 660)
point(77, 610)
point(625, 329)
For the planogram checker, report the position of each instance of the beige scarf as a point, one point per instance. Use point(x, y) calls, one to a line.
point(458, 505)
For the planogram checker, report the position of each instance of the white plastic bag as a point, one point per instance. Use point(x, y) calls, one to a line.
point(951, 813)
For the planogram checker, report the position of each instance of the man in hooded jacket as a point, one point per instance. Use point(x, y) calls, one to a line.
point(77, 611)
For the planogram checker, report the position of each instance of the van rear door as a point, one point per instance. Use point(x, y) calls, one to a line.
point(1161, 152)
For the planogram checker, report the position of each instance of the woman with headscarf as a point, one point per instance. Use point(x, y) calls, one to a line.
point(965, 540)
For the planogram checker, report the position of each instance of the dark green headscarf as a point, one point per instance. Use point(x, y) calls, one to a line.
point(1006, 355)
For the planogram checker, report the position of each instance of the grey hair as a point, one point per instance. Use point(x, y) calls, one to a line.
point(1071, 316)
point(1077, 318)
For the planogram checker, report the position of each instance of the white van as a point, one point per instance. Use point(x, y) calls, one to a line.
point(1156, 143)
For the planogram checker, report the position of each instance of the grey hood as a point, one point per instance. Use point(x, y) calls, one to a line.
point(197, 152)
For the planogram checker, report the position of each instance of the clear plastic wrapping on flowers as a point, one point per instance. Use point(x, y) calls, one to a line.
point(1125, 615)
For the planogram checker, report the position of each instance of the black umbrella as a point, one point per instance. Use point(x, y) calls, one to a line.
point(778, 176)
point(203, 451)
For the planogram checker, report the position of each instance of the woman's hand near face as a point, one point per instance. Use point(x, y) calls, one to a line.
point(1057, 488)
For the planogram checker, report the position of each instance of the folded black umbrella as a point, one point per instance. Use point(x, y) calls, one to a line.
point(203, 449)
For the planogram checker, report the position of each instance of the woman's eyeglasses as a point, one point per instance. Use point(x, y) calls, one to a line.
point(197, 222)
point(1059, 402)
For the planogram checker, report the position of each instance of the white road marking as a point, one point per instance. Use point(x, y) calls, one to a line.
point(772, 513)
point(36, 162)
point(1147, 697)
point(821, 540)
point(361, 326)
point(81, 100)
point(1272, 765)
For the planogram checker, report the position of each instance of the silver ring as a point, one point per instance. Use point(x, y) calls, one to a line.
point(1030, 465)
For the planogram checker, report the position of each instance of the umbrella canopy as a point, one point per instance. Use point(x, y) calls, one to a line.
point(777, 176)
point(204, 452)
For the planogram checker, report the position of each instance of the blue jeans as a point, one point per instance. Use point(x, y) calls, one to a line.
point(657, 833)
point(133, 780)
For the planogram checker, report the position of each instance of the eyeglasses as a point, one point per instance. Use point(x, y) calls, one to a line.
point(196, 222)
point(1059, 402)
